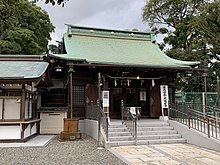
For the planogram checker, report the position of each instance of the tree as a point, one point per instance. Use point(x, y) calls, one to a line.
point(53, 2)
point(192, 33)
point(172, 18)
point(24, 27)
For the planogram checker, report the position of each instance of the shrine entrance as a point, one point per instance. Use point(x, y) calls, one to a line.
point(132, 97)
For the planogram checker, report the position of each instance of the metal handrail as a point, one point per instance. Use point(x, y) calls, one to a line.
point(207, 122)
point(129, 120)
point(102, 122)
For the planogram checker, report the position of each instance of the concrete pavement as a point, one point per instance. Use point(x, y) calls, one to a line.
point(37, 141)
point(167, 154)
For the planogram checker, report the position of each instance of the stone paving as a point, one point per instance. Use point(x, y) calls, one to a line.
point(167, 154)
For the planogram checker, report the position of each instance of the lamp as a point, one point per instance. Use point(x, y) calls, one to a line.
point(58, 69)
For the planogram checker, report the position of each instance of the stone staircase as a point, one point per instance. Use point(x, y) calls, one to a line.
point(149, 131)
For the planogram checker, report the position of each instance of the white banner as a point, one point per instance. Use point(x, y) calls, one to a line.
point(142, 95)
point(164, 96)
point(105, 98)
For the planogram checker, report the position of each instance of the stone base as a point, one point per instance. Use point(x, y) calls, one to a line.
point(70, 136)
point(164, 118)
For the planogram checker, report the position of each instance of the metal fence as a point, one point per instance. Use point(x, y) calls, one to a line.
point(197, 100)
point(207, 122)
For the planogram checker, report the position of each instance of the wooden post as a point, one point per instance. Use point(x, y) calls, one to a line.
point(71, 89)
point(22, 106)
point(22, 109)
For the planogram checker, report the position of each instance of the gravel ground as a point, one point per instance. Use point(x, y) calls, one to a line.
point(78, 152)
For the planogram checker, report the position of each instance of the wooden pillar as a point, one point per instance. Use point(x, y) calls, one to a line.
point(70, 91)
point(22, 109)
point(22, 106)
point(99, 87)
point(105, 83)
point(105, 87)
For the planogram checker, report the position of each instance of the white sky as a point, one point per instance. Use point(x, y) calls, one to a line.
point(112, 14)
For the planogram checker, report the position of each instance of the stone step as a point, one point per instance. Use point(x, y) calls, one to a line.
point(118, 129)
point(122, 128)
point(115, 134)
point(161, 141)
point(146, 142)
point(154, 137)
point(149, 137)
point(117, 126)
point(147, 133)
point(154, 128)
point(160, 132)
point(159, 124)
point(121, 138)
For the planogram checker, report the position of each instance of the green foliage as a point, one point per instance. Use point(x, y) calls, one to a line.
point(53, 48)
point(192, 29)
point(53, 2)
point(24, 27)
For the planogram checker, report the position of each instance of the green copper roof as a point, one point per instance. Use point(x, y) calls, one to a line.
point(22, 69)
point(116, 47)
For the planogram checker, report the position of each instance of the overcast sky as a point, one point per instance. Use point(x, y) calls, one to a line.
point(113, 14)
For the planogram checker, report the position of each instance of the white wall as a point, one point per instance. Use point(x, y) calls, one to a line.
point(12, 109)
point(91, 128)
point(52, 122)
point(82, 126)
point(195, 137)
point(27, 131)
point(34, 129)
point(10, 132)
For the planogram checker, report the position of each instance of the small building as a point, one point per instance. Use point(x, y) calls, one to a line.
point(131, 65)
point(20, 76)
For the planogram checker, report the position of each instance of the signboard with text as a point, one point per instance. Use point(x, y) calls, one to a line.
point(142, 95)
point(105, 98)
point(164, 96)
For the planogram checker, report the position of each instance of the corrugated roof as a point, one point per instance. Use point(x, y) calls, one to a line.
point(22, 69)
point(104, 46)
